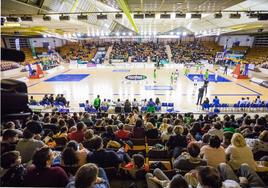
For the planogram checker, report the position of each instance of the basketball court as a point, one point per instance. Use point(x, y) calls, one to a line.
point(80, 83)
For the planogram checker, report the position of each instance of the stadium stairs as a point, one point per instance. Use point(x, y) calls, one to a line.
point(168, 51)
point(107, 56)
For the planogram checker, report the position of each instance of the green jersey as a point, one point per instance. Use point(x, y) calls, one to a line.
point(97, 102)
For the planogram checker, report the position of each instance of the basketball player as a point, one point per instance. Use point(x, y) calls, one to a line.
point(195, 78)
point(206, 75)
point(154, 75)
point(171, 79)
point(216, 75)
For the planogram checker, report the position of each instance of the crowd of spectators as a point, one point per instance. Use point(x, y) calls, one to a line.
point(76, 149)
point(84, 51)
point(139, 52)
point(188, 52)
point(6, 65)
point(265, 65)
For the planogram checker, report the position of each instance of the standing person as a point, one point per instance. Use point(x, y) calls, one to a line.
point(154, 75)
point(206, 75)
point(97, 103)
point(196, 79)
point(171, 79)
point(186, 71)
point(177, 73)
point(205, 86)
point(200, 95)
point(216, 75)
point(225, 69)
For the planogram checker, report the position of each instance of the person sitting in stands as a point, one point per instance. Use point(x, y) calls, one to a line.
point(216, 130)
point(138, 130)
point(177, 142)
point(137, 163)
point(9, 141)
point(12, 173)
point(151, 131)
point(80, 151)
point(42, 174)
point(238, 153)
point(27, 145)
point(259, 145)
point(163, 127)
point(121, 133)
point(213, 153)
point(210, 177)
point(227, 136)
point(166, 134)
point(159, 179)
point(105, 158)
point(228, 127)
point(89, 176)
point(87, 143)
point(69, 161)
point(78, 135)
point(189, 160)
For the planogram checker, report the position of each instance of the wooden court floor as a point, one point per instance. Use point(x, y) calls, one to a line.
point(109, 82)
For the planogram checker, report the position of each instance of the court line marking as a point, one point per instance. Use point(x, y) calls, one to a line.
point(46, 78)
point(248, 88)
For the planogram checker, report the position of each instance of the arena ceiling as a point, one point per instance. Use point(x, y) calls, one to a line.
point(207, 25)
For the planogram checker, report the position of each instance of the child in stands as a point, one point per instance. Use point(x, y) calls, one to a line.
point(137, 164)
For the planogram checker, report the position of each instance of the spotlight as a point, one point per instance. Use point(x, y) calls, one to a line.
point(12, 19)
point(82, 17)
point(196, 16)
point(64, 18)
point(26, 18)
point(180, 15)
point(46, 18)
point(218, 15)
point(150, 15)
point(253, 15)
point(165, 16)
point(102, 17)
point(235, 16)
point(263, 17)
point(138, 16)
point(118, 16)
point(184, 33)
point(130, 33)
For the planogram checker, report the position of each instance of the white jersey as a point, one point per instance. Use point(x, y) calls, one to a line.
point(196, 79)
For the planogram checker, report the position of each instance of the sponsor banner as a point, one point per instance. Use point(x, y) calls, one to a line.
point(136, 77)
